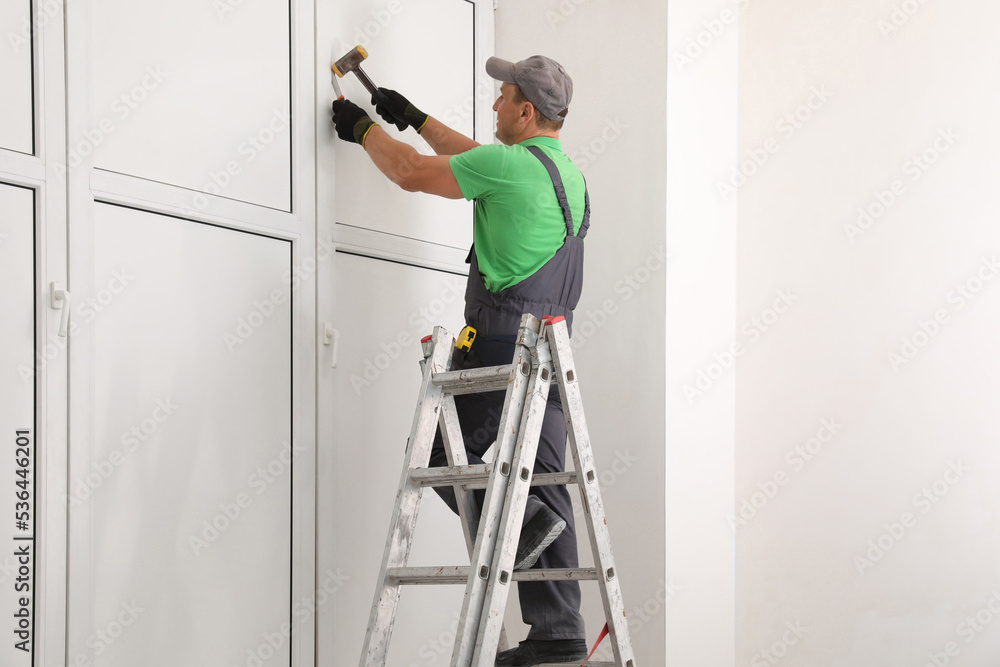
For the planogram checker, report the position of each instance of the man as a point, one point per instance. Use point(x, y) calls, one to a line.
point(531, 214)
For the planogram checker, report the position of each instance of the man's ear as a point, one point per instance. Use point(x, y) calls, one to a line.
point(527, 109)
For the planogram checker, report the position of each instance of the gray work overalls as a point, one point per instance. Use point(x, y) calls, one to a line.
point(550, 608)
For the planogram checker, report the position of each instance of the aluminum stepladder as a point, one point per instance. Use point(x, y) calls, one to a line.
point(542, 354)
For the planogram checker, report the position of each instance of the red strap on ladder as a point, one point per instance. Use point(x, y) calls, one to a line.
point(604, 633)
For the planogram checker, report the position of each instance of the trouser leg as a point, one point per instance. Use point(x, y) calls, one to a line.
point(479, 417)
point(551, 608)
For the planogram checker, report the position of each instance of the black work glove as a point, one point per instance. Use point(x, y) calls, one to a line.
point(396, 109)
point(352, 122)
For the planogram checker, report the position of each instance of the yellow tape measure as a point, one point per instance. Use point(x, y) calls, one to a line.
point(464, 340)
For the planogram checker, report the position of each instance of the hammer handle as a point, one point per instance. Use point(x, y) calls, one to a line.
point(365, 81)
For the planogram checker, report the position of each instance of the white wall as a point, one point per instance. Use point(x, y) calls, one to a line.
point(702, 71)
point(879, 541)
point(615, 132)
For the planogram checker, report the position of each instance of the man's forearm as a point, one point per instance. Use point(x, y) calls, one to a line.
point(444, 140)
point(404, 166)
point(393, 158)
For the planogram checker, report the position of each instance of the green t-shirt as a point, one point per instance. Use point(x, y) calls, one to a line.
point(518, 224)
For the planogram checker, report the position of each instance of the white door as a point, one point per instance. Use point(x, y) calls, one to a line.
point(397, 271)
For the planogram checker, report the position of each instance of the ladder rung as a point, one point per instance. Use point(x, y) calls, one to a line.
point(489, 378)
point(557, 574)
point(459, 574)
point(554, 478)
point(477, 476)
point(467, 475)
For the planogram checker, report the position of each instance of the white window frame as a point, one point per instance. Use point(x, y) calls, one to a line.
point(34, 172)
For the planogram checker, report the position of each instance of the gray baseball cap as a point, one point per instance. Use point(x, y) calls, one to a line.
point(542, 80)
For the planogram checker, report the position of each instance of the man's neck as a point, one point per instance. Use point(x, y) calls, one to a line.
point(536, 134)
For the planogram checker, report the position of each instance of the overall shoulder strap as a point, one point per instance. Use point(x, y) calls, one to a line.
point(557, 183)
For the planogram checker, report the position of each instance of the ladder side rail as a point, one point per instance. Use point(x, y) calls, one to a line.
point(454, 447)
point(518, 486)
point(496, 489)
point(583, 459)
point(468, 509)
point(404, 516)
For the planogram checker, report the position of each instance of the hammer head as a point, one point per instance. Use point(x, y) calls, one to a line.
point(350, 62)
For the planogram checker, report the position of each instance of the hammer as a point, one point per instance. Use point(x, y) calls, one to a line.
point(352, 63)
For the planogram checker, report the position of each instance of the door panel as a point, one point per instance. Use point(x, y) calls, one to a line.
point(16, 126)
point(384, 309)
point(425, 51)
point(17, 416)
point(190, 473)
point(194, 94)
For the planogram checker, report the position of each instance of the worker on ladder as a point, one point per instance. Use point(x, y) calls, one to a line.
point(531, 215)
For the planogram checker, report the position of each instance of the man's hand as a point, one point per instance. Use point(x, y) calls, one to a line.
point(351, 121)
point(396, 109)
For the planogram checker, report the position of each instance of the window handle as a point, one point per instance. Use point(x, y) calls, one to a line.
point(60, 299)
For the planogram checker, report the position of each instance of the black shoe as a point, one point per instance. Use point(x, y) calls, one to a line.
point(536, 652)
point(537, 534)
